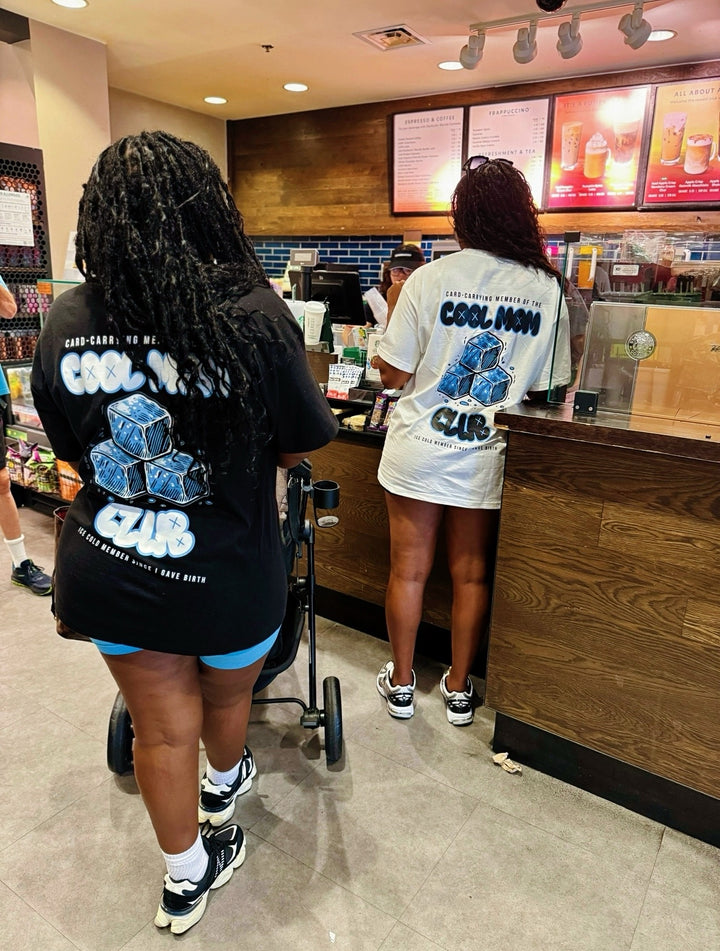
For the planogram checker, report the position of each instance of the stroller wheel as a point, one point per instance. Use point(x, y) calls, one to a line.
point(332, 720)
point(120, 738)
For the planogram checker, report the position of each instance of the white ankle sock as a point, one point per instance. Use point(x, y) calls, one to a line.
point(17, 550)
point(189, 865)
point(227, 778)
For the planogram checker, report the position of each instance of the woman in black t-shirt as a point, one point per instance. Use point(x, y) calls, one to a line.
point(175, 380)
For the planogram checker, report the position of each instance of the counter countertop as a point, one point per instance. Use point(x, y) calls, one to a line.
point(646, 434)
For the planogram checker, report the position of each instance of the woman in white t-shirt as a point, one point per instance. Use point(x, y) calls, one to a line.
point(472, 333)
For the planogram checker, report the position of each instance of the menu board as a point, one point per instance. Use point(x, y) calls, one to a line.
point(683, 164)
point(515, 131)
point(427, 160)
point(595, 152)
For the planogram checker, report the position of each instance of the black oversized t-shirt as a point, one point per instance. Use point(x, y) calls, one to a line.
point(161, 550)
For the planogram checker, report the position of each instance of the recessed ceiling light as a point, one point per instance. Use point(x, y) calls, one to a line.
point(450, 64)
point(295, 87)
point(72, 4)
point(657, 36)
point(215, 100)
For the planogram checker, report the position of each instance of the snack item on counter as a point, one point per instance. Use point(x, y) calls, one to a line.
point(355, 422)
point(378, 410)
point(391, 404)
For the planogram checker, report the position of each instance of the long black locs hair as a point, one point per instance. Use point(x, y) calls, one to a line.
point(159, 231)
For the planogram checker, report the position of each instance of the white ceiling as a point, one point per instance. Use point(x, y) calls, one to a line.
point(179, 51)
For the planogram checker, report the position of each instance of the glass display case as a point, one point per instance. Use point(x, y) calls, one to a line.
point(654, 360)
point(665, 286)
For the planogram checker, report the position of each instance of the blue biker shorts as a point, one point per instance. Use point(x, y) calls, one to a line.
point(235, 661)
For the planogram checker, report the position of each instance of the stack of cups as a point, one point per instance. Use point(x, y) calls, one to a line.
point(313, 317)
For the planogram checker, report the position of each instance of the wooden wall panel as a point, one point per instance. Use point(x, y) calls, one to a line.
point(607, 606)
point(327, 171)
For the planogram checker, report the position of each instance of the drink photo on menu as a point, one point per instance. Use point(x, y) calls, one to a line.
point(683, 165)
point(595, 152)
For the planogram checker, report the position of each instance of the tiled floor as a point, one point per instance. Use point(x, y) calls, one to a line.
point(416, 840)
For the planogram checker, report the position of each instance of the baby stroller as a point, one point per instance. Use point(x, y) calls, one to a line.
point(299, 538)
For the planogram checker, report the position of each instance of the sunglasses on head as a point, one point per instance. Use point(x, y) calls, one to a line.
point(477, 161)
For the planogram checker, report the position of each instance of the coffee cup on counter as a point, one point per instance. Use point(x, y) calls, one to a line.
point(297, 309)
point(313, 316)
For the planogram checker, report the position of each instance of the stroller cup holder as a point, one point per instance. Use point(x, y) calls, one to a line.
point(298, 539)
point(325, 495)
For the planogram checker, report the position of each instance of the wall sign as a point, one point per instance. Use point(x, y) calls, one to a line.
point(426, 160)
point(515, 131)
point(683, 164)
point(16, 224)
point(595, 149)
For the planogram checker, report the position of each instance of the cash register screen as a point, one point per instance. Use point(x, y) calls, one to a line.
point(340, 290)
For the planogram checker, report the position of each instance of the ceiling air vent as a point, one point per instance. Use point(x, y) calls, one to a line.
point(392, 37)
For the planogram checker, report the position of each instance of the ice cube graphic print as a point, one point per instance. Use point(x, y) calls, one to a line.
point(140, 426)
point(481, 352)
point(140, 458)
point(176, 477)
point(116, 471)
point(477, 372)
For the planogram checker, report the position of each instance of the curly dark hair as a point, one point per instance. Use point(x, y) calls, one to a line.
point(159, 231)
point(492, 209)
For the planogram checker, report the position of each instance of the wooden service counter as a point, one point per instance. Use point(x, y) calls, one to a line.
point(604, 657)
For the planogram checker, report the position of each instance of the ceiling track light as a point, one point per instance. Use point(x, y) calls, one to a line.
point(636, 29)
point(471, 53)
point(525, 48)
point(569, 41)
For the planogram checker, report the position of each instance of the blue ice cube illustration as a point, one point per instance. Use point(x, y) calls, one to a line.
point(140, 426)
point(177, 478)
point(491, 386)
point(455, 381)
point(482, 352)
point(117, 471)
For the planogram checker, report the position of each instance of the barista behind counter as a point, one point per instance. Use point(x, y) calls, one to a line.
point(404, 259)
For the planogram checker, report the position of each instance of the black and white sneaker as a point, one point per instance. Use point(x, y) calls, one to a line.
point(183, 903)
point(399, 698)
point(459, 704)
point(217, 803)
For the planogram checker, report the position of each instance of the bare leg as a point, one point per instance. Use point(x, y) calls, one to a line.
point(9, 518)
point(163, 696)
point(413, 534)
point(470, 537)
point(227, 696)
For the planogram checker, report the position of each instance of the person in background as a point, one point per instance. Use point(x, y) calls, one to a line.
point(473, 332)
point(404, 259)
point(175, 379)
point(25, 572)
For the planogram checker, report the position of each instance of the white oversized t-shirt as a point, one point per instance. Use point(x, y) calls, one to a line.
point(477, 333)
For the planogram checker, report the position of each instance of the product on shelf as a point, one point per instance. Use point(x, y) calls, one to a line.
point(69, 482)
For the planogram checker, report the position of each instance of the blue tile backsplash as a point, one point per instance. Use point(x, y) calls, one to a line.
point(369, 252)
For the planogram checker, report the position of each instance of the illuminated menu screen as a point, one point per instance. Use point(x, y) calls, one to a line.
point(427, 160)
point(683, 164)
point(596, 144)
point(515, 131)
